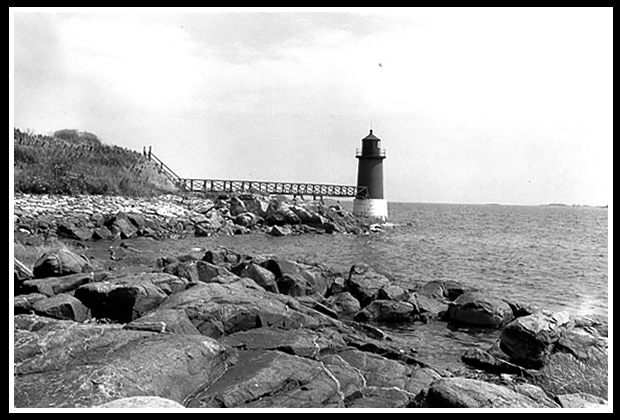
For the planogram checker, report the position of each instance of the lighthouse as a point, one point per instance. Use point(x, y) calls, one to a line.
point(369, 201)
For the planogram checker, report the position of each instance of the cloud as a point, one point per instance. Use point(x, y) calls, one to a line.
point(496, 94)
point(148, 65)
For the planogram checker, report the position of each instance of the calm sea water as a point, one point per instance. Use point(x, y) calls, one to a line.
point(551, 257)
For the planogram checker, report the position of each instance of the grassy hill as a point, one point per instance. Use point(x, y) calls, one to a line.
point(70, 162)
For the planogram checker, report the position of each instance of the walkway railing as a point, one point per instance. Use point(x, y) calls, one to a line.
point(169, 173)
point(267, 187)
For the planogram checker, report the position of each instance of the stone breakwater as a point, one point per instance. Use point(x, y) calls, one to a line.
point(89, 217)
point(224, 329)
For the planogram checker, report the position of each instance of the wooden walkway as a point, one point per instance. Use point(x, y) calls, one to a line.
point(245, 186)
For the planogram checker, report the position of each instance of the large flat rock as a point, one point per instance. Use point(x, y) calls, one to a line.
point(272, 379)
point(471, 393)
point(69, 364)
point(220, 309)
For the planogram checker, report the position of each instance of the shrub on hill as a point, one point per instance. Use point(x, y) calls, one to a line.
point(72, 162)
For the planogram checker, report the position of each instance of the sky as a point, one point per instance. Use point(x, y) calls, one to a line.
point(510, 106)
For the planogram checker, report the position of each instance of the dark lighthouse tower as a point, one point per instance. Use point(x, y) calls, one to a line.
point(369, 200)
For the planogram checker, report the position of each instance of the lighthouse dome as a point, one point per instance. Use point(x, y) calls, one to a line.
point(371, 137)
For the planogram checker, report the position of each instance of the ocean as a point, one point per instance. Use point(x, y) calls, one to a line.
point(551, 257)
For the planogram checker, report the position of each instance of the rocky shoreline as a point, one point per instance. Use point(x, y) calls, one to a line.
point(88, 217)
point(222, 329)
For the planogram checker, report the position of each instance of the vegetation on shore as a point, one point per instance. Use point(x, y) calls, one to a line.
point(71, 162)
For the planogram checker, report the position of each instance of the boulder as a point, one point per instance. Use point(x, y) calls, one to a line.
point(280, 213)
point(582, 344)
point(173, 321)
point(337, 286)
point(519, 308)
point(70, 230)
point(387, 311)
point(127, 298)
point(299, 342)
point(344, 304)
point(106, 233)
point(212, 223)
point(211, 273)
point(236, 206)
point(580, 400)
point(529, 340)
point(121, 223)
point(364, 283)
point(54, 285)
point(484, 360)
point(376, 370)
point(60, 263)
point(138, 220)
point(294, 285)
point(459, 392)
point(263, 277)
point(272, 379)
point(187, 270)
point(216, 256)
point(62, 306)
point(247, 219)
point(479, 309)
point(454, 289)
point(24, 304)
point(392, 292)
point(434, 289)
point(308, 217)
point(279, 231)
point(444, 289)
point(430, 306)
point(295, 279)
point(20, 271)
point(379, 398)
point(255, 204)
point(421, 379)
point(218, 309)
point(142, 402)
point(86, 365)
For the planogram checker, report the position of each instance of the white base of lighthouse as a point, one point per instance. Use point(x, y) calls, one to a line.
point(371, 207)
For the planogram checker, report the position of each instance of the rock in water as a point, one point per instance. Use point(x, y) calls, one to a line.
point(386, 311)
point(60, 263)
point(474, 308)
point(279, 231)
point(365, 284)
point(72, 231)
point(344, 303)
point(529, 340)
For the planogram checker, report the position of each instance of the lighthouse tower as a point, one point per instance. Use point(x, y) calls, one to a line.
point(369, 200)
